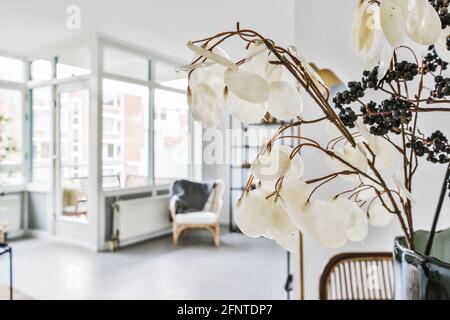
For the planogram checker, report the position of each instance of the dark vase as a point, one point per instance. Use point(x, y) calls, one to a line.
point(420, 277)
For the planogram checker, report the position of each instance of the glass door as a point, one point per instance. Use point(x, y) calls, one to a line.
point(72, 153)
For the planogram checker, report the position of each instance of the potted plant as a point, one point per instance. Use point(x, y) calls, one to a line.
point(367, 136)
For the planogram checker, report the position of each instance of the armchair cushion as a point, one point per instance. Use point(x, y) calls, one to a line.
point(192, 196)
point(202, 217)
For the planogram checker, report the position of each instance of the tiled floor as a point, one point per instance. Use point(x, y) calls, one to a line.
point(241, 268)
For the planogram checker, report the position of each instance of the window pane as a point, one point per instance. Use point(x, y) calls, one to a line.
point(41, 70)
point(11, 153)
point(10, 127)
point(125, 146)
point(166, 75)
point(125, 64)
point(41, 135)
point(108, 124)
point(73, 63)
point(11, 69)
point(171, 136)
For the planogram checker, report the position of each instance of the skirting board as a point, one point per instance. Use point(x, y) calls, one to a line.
point(11, 235)
point(110, 245)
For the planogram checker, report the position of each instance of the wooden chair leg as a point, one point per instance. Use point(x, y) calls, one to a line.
point(175, 235)
point(217, 235)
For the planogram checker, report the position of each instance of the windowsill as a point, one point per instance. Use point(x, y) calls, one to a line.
point(34, 187)
point(135, 190)
point(80, 219)
point(13, 188)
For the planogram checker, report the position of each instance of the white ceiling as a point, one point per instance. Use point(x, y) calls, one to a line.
point(162, 26)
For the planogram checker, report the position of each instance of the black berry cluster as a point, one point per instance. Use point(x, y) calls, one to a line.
point(432, 62)
point(442, 87)
point(370, 78)
point(346, 97)
point(392, 114)
point(441, 7)
point(354, 92)
point(348, 116)
point(388, 116)
point(435, 147)
point(403, 70)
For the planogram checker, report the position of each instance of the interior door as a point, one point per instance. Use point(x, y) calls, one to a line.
point(72, 153)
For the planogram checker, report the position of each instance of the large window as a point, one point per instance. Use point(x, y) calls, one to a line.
point(41, 135)
point(125, 134)
point(11, 127)
point(133, 156)
point(12, 72)
point(171, 137)
point(11, 146)
point(145, 136)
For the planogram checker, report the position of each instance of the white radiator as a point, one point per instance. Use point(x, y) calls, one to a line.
point(10, 213)
point(139, 219)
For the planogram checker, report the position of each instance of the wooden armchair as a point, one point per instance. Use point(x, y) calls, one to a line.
point(358, 276)
point(208, 218)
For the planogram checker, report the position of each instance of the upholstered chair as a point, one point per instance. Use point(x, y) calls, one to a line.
point(208, 218)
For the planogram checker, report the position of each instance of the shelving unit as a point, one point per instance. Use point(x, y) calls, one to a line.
point(244, 148)
point(244, 151)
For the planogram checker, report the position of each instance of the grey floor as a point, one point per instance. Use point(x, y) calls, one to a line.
point(242, 268)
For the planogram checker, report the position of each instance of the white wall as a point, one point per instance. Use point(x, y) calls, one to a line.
point(322, 34)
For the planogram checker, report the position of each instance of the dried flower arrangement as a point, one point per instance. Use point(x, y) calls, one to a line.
point(367, 136)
